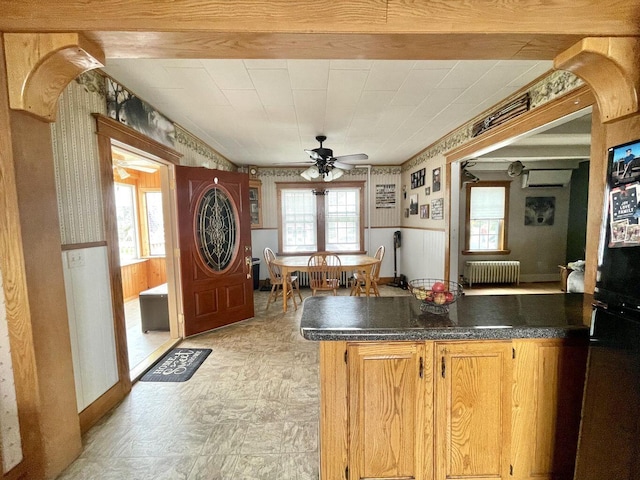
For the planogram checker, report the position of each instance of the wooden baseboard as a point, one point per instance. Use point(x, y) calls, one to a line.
point(94, 412)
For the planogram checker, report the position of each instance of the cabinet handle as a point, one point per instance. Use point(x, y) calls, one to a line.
point(421, 367)
point(442, 367)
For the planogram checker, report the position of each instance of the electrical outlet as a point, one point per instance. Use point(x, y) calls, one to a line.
point(75, 258)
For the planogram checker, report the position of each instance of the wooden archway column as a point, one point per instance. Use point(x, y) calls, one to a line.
point(609, 66)
point(41, 65)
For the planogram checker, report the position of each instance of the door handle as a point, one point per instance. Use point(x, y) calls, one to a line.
point(249, 263)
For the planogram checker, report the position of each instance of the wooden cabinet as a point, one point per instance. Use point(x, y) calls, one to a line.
point(473, 409)
point(255, 203)
point(450, 409)
point(547, 395)
point(390, 411)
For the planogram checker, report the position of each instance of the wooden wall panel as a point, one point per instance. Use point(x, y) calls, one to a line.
point(134, 279)
point(156, 271)
point(37, 201)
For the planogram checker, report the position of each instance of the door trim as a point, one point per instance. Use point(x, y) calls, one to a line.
point(110, 131)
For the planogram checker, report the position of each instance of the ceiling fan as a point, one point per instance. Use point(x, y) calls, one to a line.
point(515, 169)
point(326, 164)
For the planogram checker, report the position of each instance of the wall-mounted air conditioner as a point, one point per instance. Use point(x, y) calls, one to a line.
point(546, 178)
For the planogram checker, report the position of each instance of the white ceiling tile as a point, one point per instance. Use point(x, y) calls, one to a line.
point(439, 99)
point(265, 64)
point(308, 74)
point(351, 64)
point(465, 74)
point(269, 110)
point(246, 101)
point(273, 86)
point(388, 75)
point(228, 74)
point(311, 107)
point(374, 103)
point(282, 115)
point(434, 64)
point(197, 83)
point(418, 86)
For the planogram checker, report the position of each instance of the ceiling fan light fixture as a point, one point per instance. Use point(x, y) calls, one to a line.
point(310, 173)
point(336, 173)
point(122, 173)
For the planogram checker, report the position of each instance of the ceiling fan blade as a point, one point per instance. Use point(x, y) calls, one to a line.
point(351, 158)
point(344, 166)
point(313, 154)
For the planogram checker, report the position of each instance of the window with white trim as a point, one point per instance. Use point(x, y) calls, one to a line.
point(487, 211)
point(320, 217)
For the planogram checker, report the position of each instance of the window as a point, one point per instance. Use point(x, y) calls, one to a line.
point(154, 224)
point(342, 217)
point(487, 211)
point(127, 221)
point(299, 221)
point(318, 217)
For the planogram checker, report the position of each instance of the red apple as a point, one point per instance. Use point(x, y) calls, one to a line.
point(448, 296)
point(438, 287)
point(439, 298)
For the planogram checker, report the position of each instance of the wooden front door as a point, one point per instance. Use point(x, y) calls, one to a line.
point(215, 247)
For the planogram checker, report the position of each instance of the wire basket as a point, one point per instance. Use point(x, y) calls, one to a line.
point(436, 295)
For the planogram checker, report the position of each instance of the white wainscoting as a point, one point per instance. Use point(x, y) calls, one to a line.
point(422, 253)
point(88, 292)
point(10, 441)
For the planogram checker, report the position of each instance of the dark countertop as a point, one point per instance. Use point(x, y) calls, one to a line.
point(483, 317)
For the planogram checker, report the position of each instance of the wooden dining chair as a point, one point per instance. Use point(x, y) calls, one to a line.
point(276, 279)
point(359, 281)
point(324, 272)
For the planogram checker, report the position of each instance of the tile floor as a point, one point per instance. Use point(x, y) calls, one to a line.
point(249, 412)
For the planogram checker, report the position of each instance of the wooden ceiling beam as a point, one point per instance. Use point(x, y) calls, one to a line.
point(329, 46)
point(552, 17)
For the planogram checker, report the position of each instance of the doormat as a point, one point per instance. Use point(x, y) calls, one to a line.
point(178, 365)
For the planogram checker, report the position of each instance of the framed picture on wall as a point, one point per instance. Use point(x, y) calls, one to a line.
point(424, 211)
point(413, 204)
point(539, 211)
point(436, 180)
point(417, 178)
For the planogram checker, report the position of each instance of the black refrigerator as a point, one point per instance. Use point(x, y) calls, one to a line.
point(609, 442)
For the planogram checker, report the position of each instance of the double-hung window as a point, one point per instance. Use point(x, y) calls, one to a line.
point(320, 217)
point(487, 212)
point(126, 212)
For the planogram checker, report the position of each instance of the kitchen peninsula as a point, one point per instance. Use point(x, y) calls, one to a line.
point(491, 389)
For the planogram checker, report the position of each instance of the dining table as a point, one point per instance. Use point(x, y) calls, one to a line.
point(350, 262)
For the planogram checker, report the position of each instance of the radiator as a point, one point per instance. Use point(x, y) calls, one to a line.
point(492, 272)
point(303, 278)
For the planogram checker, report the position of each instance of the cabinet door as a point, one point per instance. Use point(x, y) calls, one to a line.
point(390, 429)
point(473, 410)
point(547, 399)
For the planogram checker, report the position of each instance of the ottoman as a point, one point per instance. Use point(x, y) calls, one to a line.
point(154, 309)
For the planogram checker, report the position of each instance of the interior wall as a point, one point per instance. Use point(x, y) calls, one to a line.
point(577, 225)
point(540, 249)
point(384, 221)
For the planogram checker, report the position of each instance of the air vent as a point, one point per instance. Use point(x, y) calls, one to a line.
point(546, 178)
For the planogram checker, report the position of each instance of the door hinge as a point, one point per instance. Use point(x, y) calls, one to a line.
point(421, 367)
point(346, 355)
point(511, 470)
point(443, 367)
point(346, 473)
point(172, 183)
point(513, 353)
